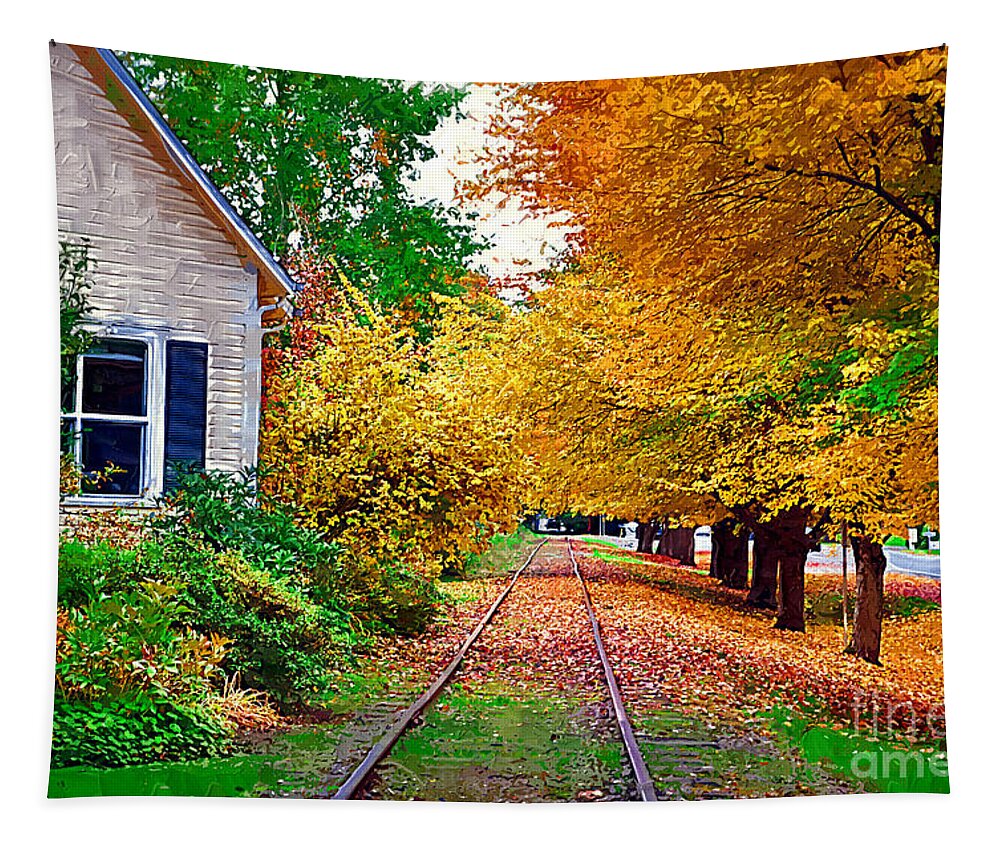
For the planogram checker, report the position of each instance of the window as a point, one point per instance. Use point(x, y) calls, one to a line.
point(106, 420)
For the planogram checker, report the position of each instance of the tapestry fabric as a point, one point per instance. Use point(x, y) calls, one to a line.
point(510, 442)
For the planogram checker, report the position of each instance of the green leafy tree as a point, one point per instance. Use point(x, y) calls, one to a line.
point(320, 163)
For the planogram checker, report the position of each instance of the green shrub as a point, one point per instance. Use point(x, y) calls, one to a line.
point(391, 598)
point(905, 606)
point(228, 512)
point(132, 730)
point(133, 642)
point(133, 681)
point(289, 605)
point(88, 571)
point(282, 641)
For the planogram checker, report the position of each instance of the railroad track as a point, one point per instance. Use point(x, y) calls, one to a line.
point(643, 781)
point(362, 774)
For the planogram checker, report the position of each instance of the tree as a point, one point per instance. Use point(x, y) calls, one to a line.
point(772, 237)
point(382, 445)
point(320, 162)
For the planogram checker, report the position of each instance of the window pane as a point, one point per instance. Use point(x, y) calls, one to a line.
point(116, 444)
point(114, 380)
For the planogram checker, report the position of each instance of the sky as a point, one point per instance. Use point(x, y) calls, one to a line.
point(522, 242)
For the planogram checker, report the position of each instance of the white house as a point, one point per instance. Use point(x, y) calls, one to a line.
point(182, 290)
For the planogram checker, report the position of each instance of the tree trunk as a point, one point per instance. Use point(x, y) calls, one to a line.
point(669, 538)
point(730, 554)
point(686, 546)
point(764, 584)
point(869, 560)
point(644, 538)
point(662, 546)
point(789, 531)
point(715, 568)
point(792, 577)
point(680, 545)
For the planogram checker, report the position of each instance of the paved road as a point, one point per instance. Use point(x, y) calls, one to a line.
point(913, 564)
point(899, 560)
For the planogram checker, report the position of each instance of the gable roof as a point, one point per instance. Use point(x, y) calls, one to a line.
point(273, 282)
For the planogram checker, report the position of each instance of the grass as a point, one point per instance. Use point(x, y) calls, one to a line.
point(881, 763)
point(690, 758)
point(489, 746)
point(229, 777)
point(506, 552)
point(295, 759)
point(897, 541)
point(824, 607)
point(603, 542)
point(613, 557)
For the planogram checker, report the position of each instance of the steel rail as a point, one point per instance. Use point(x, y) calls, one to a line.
point(645, 783)
point(381, 748)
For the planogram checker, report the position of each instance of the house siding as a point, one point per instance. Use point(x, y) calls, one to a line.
point(162, 263)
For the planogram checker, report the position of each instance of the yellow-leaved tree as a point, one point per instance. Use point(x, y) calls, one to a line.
point(382, 445)
point(754, 303)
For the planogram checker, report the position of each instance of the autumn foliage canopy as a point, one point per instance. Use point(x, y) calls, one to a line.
point(752, 315)
point(746, 329)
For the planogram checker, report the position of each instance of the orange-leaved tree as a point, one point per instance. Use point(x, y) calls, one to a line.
point(773, 235)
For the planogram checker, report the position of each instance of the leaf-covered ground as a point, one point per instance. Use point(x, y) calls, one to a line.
point(684, 646)
point(526, 718)
point(697, 641)
point(723, 704)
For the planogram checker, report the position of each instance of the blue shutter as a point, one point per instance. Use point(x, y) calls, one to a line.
point(186, 410)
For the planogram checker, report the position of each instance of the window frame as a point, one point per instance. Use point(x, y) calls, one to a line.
point(151, 473)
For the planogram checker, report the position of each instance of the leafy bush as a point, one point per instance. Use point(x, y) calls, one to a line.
point(132, 730)
point(905, 607)
point(86, 571)
point(225, 588)
point(226, 511)
point(133, 684)
point(391, 597)
point(282, 642)
point(386, 447)
point(130, 642)
point(250, 573)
